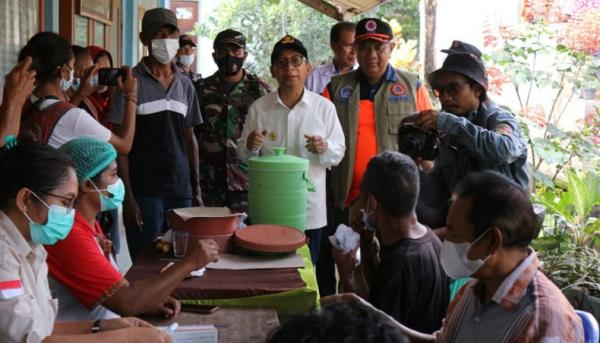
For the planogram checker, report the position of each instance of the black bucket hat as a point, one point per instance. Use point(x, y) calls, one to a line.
point(466, 64)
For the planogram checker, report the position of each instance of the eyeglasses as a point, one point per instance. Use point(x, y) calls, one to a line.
point(295, 61)
point(451, 89)
point(366, 46)
point(70, 201)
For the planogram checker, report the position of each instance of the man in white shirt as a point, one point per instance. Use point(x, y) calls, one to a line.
point(341, 41)
point(303, 122)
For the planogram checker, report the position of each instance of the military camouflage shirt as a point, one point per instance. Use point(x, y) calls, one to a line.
point(223, 179)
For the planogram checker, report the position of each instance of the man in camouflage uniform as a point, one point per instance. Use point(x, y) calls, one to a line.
point(224, 101)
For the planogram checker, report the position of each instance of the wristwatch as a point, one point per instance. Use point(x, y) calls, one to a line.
point(96, 326)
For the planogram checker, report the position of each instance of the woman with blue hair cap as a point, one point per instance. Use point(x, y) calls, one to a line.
point(84, 274)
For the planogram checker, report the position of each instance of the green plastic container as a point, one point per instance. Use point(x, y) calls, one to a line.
point(279, 186)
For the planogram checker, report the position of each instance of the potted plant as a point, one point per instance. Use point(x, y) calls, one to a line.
point(570, 237)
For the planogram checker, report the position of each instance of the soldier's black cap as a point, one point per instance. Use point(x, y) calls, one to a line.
point(462, 47)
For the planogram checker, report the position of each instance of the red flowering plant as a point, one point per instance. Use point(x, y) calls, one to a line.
point(544, 64)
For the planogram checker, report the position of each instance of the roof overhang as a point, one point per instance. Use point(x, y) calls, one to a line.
point(342, 9)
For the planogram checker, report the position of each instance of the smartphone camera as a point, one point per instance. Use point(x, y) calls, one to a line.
point(108, 76)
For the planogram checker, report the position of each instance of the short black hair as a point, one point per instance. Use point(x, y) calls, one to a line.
point(338, 323)
point(393, 179)
point(79, 51)
point(499, 201)
point(31, 165)
point(48, 52)
point(337, 29)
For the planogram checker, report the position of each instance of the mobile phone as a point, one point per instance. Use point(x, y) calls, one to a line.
point(203, 309)
point(108, 76)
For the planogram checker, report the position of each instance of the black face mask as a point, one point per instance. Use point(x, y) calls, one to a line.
point(229, 65)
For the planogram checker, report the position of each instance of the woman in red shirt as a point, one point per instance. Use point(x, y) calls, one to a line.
point(83, 273)
point(98, 103)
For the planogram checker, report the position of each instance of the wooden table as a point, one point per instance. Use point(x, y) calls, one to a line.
point(235, 324)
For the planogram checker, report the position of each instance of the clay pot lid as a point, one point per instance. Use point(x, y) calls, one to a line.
point(270, 238)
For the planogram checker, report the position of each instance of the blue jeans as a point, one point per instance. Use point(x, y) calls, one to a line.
point(153, 211)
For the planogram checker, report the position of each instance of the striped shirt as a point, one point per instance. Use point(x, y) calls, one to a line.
point(527, 307)
point(158, 161)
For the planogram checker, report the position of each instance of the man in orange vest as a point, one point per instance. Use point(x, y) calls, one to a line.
point(371, 102)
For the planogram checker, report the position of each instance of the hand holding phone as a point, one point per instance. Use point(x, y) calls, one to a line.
point(108, 76)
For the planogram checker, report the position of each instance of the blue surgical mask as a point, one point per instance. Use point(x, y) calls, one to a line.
point(365, 219)
point(66, 84)
point(186, 60)
point(57, 227)
point(76, 83)
point(117, 195)
point(94, 80)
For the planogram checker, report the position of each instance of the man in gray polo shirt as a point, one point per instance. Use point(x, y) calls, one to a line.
point(161, 171)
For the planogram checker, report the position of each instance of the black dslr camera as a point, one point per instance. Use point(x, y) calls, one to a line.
point(416, 143)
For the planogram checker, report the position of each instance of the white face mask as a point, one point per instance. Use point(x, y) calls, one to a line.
point(66, 84)
point(454, 259)
point(186, 60)
point(164, 50)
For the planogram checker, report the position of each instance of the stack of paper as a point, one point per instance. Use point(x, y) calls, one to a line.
point(194, 334)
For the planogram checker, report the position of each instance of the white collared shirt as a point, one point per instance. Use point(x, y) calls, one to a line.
point(313, 115)
point(320, 76)
point(27, 310)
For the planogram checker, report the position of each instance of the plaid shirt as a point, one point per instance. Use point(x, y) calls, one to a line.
point(527, 307)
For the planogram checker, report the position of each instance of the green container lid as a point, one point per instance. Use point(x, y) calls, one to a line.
point(279, 162)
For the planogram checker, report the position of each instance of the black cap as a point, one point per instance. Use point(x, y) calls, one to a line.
point(229, 37)
point(468, 65)
point(462, 47)
point(373, 28)
point(155, 19)
point(288, 42)
point(186, 40)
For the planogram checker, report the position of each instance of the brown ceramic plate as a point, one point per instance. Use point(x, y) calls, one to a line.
point(269, 238)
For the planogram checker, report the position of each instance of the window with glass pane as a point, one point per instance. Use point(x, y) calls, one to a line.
point(20, 20)
point(81, 31)
point(98, 33)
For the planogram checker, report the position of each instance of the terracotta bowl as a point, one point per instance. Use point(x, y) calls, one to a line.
point(226, 223)
point(225, 242)
point(266, 238)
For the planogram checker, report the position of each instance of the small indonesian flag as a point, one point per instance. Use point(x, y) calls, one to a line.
point(10, 289)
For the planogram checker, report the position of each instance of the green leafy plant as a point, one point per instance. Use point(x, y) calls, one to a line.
point(571, 232)
point(532, 60)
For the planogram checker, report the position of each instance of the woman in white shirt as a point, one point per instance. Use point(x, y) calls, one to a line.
point(37, 192)
point(54, 120)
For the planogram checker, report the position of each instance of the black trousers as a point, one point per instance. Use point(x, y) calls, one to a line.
point(325, 268)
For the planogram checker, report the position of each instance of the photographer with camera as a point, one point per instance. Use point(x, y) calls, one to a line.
point(474, 135)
